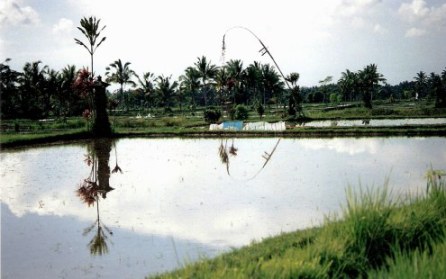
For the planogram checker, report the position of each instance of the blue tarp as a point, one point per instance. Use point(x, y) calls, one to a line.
point(233, 125)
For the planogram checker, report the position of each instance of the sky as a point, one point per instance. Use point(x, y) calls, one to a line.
point(317, 38)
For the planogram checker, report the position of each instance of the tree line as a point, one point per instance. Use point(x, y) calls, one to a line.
point(41, 92)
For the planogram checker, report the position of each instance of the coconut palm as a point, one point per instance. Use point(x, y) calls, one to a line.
point(347, 85)
point(438, 90)
point(92, 31)
point(221, 84)
point(32, 85)
point(207, 72)
point(369, 78)
point(190, 83)
point(147, 86)
point(253, 80)
point(271, 82)
point(8, 90)
point(236, 77)
point(421, 83)
point(166, 91)
point(122, 74)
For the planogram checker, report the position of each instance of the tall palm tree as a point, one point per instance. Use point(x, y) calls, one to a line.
point(369, 78)
point(92, 31)
point(207, 72)
point(32, 86)
point(8, 90)
point(236, 75)
point(190, 83)
point(347, 85)
point(271, 82)
point(295, 100)
point(421, 83)
point(68, 100)
point(253, 80)
point(122, 74)
point(166, 90)
point(221, 83)
point(147, 86)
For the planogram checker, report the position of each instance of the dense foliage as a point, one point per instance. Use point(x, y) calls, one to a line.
point(40, 92)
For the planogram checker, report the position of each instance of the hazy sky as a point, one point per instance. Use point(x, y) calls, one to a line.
point(316, 38)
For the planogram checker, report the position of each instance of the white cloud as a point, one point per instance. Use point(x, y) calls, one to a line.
point(378, 29)
point(423, 18)
point(14, 12)
point(415, 32)
point(413, 11)
point(63, 26)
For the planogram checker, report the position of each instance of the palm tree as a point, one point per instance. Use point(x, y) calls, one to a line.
point(347, 85)
point(221, 83)
point(253, 79)
point(68, 100)
point(190, 83)
point(8, 90)
point(147, 86)
point(166, 90)
point(32, 85)
point(207, 71)
point(91, 30)
point(369, 78)
point(421, 83)
point(295, 100)
point(236, 75)
point(122, 74)
point(271, 82)
point(438, 88)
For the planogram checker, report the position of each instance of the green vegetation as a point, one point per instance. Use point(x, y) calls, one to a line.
point(177, 122)
point(377, 236)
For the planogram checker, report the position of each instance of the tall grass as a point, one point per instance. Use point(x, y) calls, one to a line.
point(376, 236)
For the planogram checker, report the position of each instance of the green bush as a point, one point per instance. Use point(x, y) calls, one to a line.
point(241, 112)
point(212, 115)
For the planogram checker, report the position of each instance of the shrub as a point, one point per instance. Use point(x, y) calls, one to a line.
point(212, 115)
point(241, 112)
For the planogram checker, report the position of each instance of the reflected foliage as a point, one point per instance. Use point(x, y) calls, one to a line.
point(95, 186)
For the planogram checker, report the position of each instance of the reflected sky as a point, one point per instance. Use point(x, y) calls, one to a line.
point(174, 200)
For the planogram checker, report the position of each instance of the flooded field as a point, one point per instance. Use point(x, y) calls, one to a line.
point(134, 207)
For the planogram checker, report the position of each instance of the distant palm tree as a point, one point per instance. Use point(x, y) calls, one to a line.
point(421, 82)
point(32, 86)
point(207, 72)
point(369, 78)
point(348, 85)
point(190, 83)
point(122, 74)
point(166, 90)
point(293, 78)
point(221, 83)
point(236, 76)
point(253, 80)
point(270, 82)
point(147, 86)
point(91, 30)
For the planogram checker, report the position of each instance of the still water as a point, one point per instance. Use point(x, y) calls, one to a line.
point(376, 122)
point(135, 207)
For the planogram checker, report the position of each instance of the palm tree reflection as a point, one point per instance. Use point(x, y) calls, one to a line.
point(224, 152)
point(97, 185)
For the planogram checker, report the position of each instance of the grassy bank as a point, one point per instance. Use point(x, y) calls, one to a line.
point(187, 124)
point(376, 237)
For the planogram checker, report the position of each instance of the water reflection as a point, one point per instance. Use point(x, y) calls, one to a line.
point(95, 186)
point(225, 152)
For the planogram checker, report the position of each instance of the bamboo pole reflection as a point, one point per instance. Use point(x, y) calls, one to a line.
point(225, 152)
point(95, 186)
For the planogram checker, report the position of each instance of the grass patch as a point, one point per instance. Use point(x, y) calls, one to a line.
point(376, 237)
